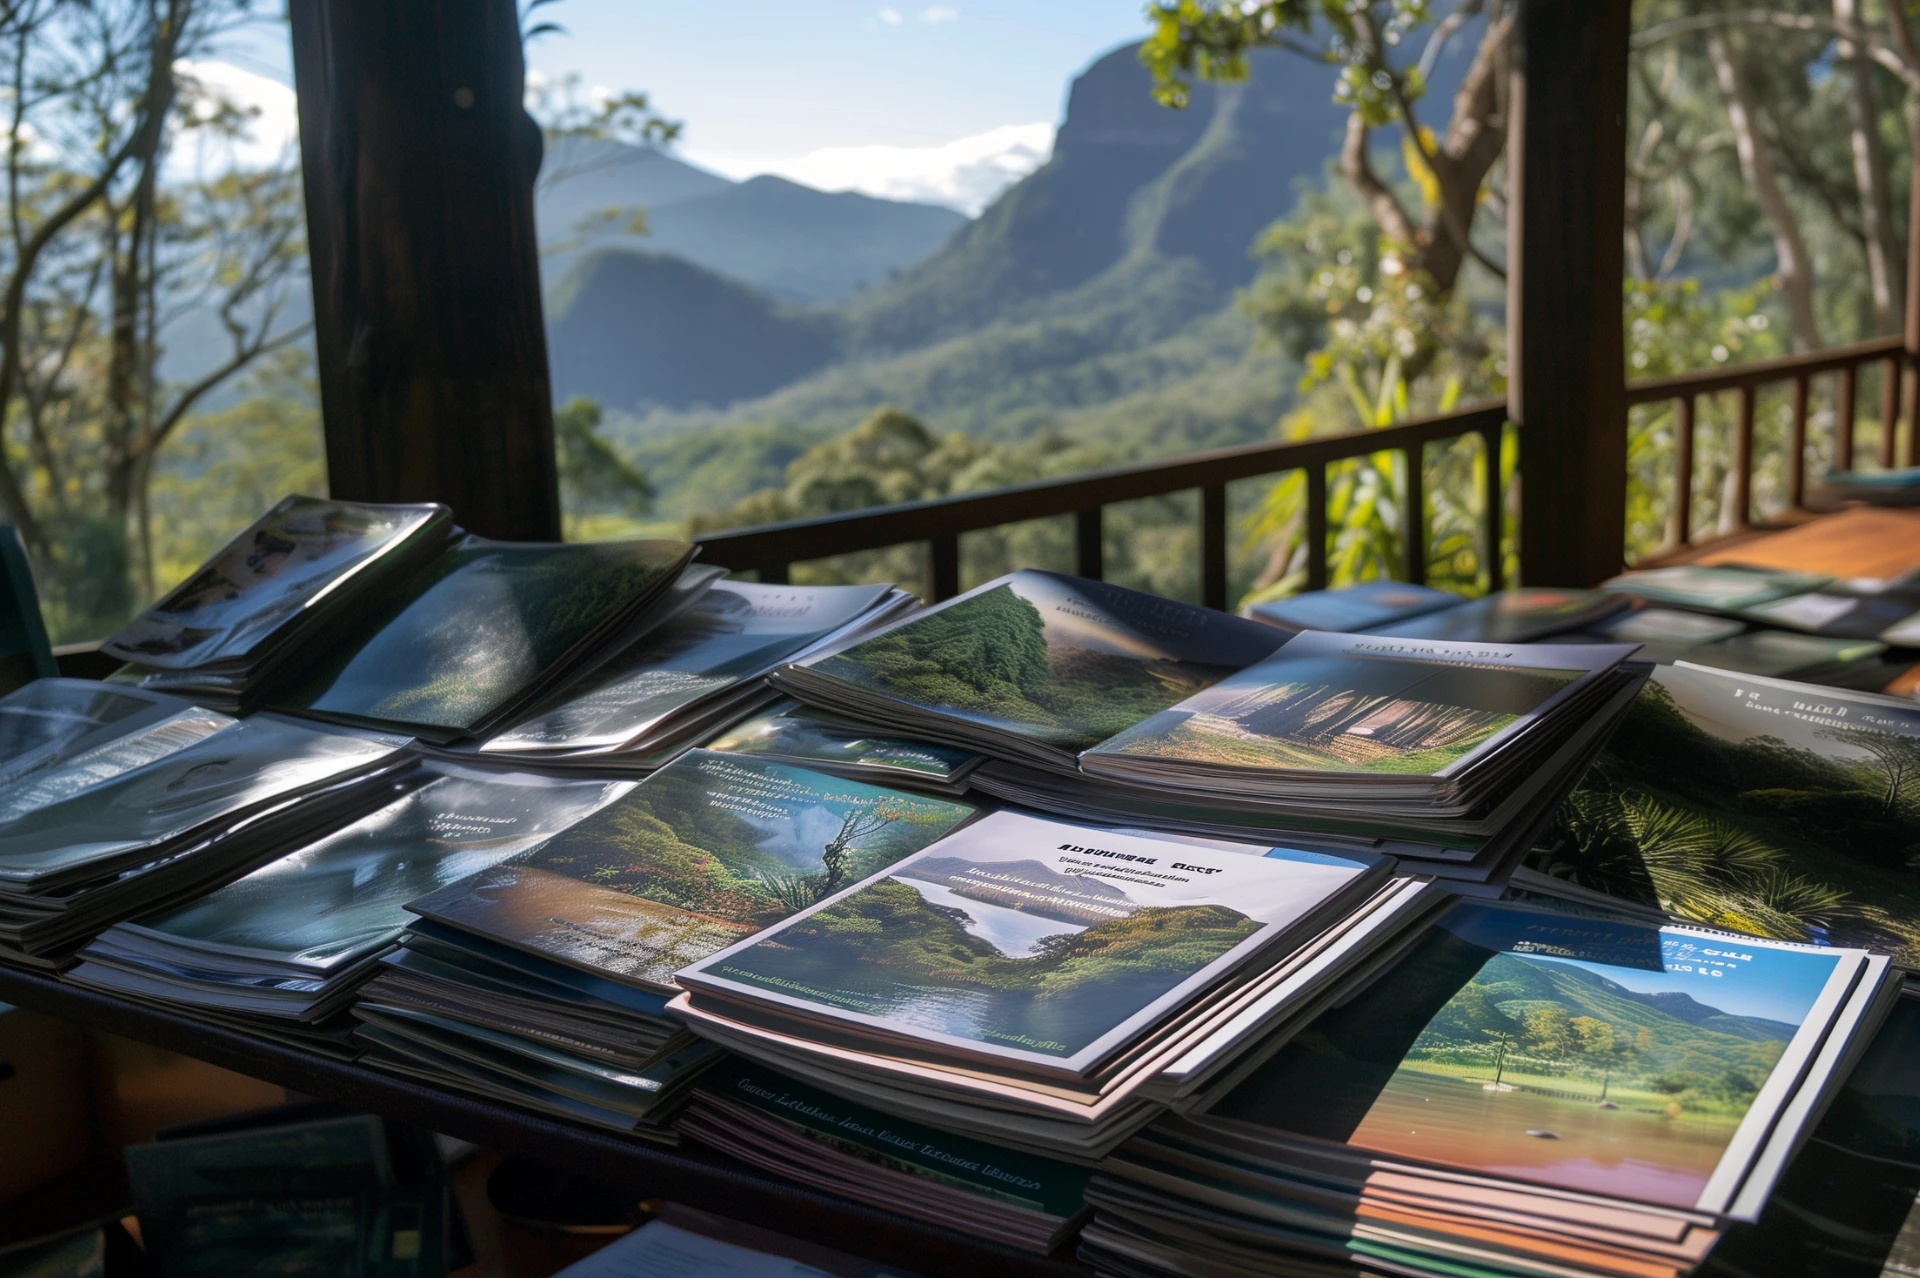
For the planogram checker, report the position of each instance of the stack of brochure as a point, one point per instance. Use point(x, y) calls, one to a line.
point(1043, 985)
point(1751, 804)
point(1664, 634)
point(88, 843)
point(790, 733)
point(491, 628)
point(546, 976)
point(1523, 1093)
point(277, 591)
point(1717, 588)
point(51, 721)
point(781, 1125)
point(1451, 754)
point(1032, 668)
point(1351, 608)
point(291, 941)
point(1522, 615)
point(701, 670)
point(1782, 654)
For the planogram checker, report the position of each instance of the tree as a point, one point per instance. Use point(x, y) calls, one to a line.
point(1550, 1032)
point(594, 478)
point(1895, 759)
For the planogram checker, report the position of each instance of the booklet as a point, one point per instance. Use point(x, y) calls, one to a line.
point(230, 772)
point(1034, 662)
point(1839, 614)
point(341, 898)
point(121, 754)
point(284, 563)
point(1721, 588)
point(487, 627)
point(737, 632)
point(1758, 805)
point(709, 849)
point(1511, 616)
point(792, 733)
point(1784, 655)
point(51, 720)
point(1329, 705)
point(1376, 603)
point(1624, 1059)
point(1666, 634)
point(1029, 941)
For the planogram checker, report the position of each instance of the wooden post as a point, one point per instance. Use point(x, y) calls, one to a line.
point(1910, 375)
point(1566, 166)
point(419, 161)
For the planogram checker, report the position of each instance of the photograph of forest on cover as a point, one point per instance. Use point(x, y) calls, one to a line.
point(1040, 657)
point(1011, 954)
point(704, 852)
point(481, 623)
point(1794, 828)
point(1349, 713)
point(1619, 1078)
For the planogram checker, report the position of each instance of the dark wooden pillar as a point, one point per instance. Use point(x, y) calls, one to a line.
point(1566, 158)
point(419, 162)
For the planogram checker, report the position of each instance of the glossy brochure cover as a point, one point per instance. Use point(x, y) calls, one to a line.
point(708, 850)
point(1030, 941)
point(1055, 659)
point(1606, 1057)
point(1758, 805)
point(736, 631)
point(225, 775)
point(50, 720)
point(1355, 704)
point(482, 626)
point(280, 565)
point(341, 897)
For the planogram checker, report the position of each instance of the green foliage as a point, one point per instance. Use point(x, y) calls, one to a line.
point(594, 478)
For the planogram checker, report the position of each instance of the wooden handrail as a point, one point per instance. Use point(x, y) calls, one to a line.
point(1707, 381)
point(771, 548)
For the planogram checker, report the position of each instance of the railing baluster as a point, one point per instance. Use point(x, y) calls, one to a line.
point(1413, 535)
point(776, 575)
point(1493, 501)
point(1889, 412)
point(1213, 545)
point(944, 552)
point(1317, 526)
point(1797, 456)
point(1743, 461)
point(1843, 418)
point(1680, 515)
point(1088, 548)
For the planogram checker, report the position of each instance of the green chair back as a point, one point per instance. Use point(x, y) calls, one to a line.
point(25, 654)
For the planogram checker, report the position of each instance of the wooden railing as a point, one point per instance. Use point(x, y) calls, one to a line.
point(771, 549)
point(1843, 363)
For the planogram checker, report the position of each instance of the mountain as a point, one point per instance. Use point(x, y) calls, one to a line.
point(1588, 993)
point(1029, 886)
point(1094, 297)
point(702, 339)
point(796, 243)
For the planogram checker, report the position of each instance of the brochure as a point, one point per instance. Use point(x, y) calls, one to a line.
point(709, 849)
point(282, 564)
point(1639, 1062)
point(1376, 603)
point(1511, 616)
point(1029, 941)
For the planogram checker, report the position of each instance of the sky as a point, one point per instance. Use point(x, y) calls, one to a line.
point(946, 102)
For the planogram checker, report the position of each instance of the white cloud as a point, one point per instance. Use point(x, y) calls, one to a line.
point(965, 174)
point(273, 133)
point(891, 17)
point(938, 14)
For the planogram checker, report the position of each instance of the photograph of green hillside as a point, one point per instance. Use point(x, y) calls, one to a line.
point(1601, 1057)
point(1053, 658)
point(702, 853)
point(1351, 712)
point(792, 733)
point(1772, 809)
point(482, 624)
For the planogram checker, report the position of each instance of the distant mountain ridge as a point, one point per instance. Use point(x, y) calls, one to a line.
point(1030, 886)
point(1675, 1004)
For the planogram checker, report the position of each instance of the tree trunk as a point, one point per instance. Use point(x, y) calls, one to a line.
point(1794, 268)
point(1870, 176)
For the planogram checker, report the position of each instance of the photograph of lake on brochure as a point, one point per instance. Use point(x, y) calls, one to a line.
point(1021, 936)
point(1352, 712)
point(1054, 658)
point(1625, 1073)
